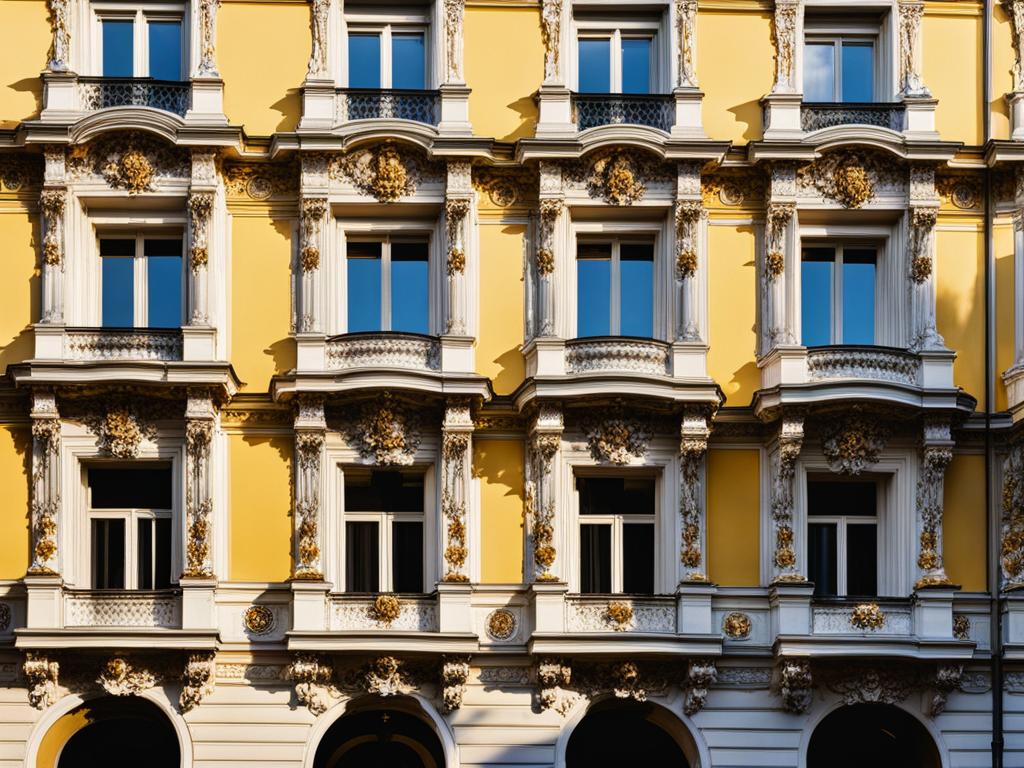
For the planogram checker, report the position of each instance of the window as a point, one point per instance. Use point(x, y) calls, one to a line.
point(837, 286)
point(839, 68)
point(138, 43)
point(388, 286)
point(616, 534)
point(130, 527)
point(390, 56)
point(615, 289)
point(383, 531)
point(617, 61)
point(142, 281)
point(842, 537)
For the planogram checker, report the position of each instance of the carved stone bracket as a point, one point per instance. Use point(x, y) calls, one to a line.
point(910, 15)
point(936, 454)
point(544, 442)
point(1012, 549)
point(198, 680)
point(200, 418)
point(42, 674)
point(125, 676)
point(686, 34)
point(554, 677)
point(784, 31)
point(700, 675)
point(615, 437)
point(46, 491)
point(795, 684)
point(319, 683)
point(693, 446)
point(454, 674)
point(207, 66)
point(456, 449)
point(310, 428)
point(784, 456)
point(313, 679)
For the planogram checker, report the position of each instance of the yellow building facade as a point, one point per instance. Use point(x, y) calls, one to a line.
point(502, 382)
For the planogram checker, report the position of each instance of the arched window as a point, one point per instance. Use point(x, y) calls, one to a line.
point(627, 733)
point(371, 734)
point(879, 735)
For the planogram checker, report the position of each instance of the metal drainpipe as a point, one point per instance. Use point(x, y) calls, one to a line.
point(991, 516)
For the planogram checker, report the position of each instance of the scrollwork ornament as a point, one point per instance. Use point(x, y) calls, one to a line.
point(853, 445)
point(736, 625)
point(456, 210)
point(616, 438)
point(120, 677)
point(52, 203)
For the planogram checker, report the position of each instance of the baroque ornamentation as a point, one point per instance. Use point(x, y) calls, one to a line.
point(778, 218)
point(853, 444)
point(132, 161)
point(693, 446)
point(502, 624)
point(198, 502)
point(922, 223)
point(454, 13)
point(874, 683)
point(308, 448)
point(688, 215)
point(877, 364)
point(794, 684)
point(387, 676)
point(51, 202)
point(539, 502)
point(910, 15)
point(737, 625)
point(615, 438)
point(554, 677)
point(934, 460)
point(701, 674)
point(961, 626)
point(550, 210)
point(200, 208)
point(456, 209)
point(551, 31)
point(260, 181)
point(454, 674)
point(846, 177)
point(686, 31)
point(386, 171)
point(867, 616)
point(42, 675)
point(783, 468)
point(120, 677)
point(785, 45)
point(1015, 10)
point(258, 620)
point(506, 187)
point(390, 350)
point(60, 25)
point(619, 615)
point(198, 680)
point(46, 432)
point(385, 432)
point(385, 609)
point(319, 14)
point(208, 38)
point(947, 679)
point(313, 211)
point(121, 429)
point(313, 678)
point(636, 355)
point(454, 449)
point(616, 178)
point(1011, 557)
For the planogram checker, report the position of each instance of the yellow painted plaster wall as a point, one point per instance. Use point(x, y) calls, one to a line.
point(498, 467)
point(960, 304)
point(735, 68)
point(19, 283)
point(501, 305)
point(504, 59)
point(15, 455)
point(732, 312)
point(261, 299)
point(952, 68)
point(734, 516)
point(262, 53)
point(23, 52)
point(1002, 238)
point(60, 733)
point(261, 523)
point(1002, 71)
point(963, 522)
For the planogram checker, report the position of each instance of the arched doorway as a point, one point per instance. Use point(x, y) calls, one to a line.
point(614, 732)
point(112, 732)
point(876, 735)
point(373, 734)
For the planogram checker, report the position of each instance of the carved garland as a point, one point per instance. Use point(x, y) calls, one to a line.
point(790, 442)
point(615, 177)
point(52, 202)
point(688, 215)
point(456, 210)
point(200, 208)
point(616, 438)
point(693, 445)
point(551, 31)
point(542, 511)
point(686, 32)
point(45, 494)
point(550, 210)
point(778, 218)
point(313, 211)
point(198, 504)
point(922, 223)
point(853, 445)
point(308, 448)
point(385, 432)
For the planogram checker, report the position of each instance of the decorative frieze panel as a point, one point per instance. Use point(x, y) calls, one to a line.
point(686, 42)
point(875, 364)
point(794, 684)
point(207, 10)
point(131, 161)
point(96, 609)
point(392, 350)
point(131, 344)
point(551, 32)
point(618, 176)
point(387, 172)
point(410, 616)
point(598, 615)
point(693, 446)
point(852, 178)
point(46, 485)
point(783, 466)
point(454, 16)
point(869, 618)
point(539, 505)
point(261, 181)
point(617, 355)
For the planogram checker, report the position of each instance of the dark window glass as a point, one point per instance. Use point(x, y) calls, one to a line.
point(164, 276)
point(409, 287)
point(636, 65)
point(858, 296)
point(593, 289)
point(130, 487)
point(154, 553)
point(364, 60)
point(862, 559)
point(595, 65)
point(407, 62)
point(364, 282)
point(850, 499)
point(108, 554)
point(821, 557)
point(407, 556)
point(596, 559)
point(165, 50)
point(636, 277)
point(858, 72)
point(381, 491)
point(638, 559)
point(362, 557)
point(816, 296)
point(144, 554)
point(118, 48)
point(118, 292)
point(616, 495)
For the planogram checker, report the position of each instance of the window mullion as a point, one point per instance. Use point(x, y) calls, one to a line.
point(141, 38)
point(841, 556)
point(617, 554)
point(384, 552)
point(140, 284)
point(837, 70)
point(386, 75)
point(615, 61)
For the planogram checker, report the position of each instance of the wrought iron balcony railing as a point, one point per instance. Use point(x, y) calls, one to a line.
point(818, 115)
point(376, 104)
point(594, 109)
point(103, 92)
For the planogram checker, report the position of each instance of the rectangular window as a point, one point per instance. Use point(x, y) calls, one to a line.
point(118, 48)
point(387, 56)
point(165, 50)
point(615, 61)
point(383, 530)
point(636, 65)
point(615, 289)
point(839, 69)
point(130, 529)
point(842, 537)
point(595, 65)
point(837, 295)
point(617, 518)
point(141, 282)
point(141, 43)
point(388, 286)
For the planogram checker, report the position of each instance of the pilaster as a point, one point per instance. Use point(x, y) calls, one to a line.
point(53, 201)
point(936, 454)
point(310, 429)
point(780, 259)
point(458, 208)
point(47, 559)
point(552, 206)
point(922, 215)
point(542, 524)
point(456, 454)
point(689, 351)
point(694, 431)
point(785, 565)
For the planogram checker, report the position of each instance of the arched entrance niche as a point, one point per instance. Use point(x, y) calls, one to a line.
point(876, 735)
point(111, 732)
point(375, 732)
point(616, 732)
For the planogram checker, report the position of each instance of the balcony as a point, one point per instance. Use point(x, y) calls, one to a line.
point(391, 104)
point(144, 610)
point(817, 115)
point(406, 351)
point(652, 110)
point(135, 344)
point(868, 363)
point(95, 93)
point(617, 355)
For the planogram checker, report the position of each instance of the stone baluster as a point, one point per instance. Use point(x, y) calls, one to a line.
point(542, 523)
point(310, 429)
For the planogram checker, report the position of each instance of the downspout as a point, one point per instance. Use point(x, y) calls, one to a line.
point(991, 514)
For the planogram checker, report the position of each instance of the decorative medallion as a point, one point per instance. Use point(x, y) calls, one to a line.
point(119, 677)
point(260, 181)
point(616, 179)
point(501, 624)
point(867, 616)
point(616, 438)
point(852, 445)
point(851, 178)
point(385, 609)
point(258, 619)
point(961, 626)
point(387, 172)
point(619, 615)
point(385, 432)
point(737, 625)
point(131, 161)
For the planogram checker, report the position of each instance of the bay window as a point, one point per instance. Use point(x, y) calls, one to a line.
point(842, 537)
point(142, 282)
point(388, 285)
point(616, 534)
point(838, 286)
point(615, 288)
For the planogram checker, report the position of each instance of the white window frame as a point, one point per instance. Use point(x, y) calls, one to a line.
point(617, 521)
point(131, 517)
point(140, 14)
point(387, 25)
point(839, 247)
point(385, 537)
point(615, 29)
point(140, 272)
point(837, 41)
point(826, 20)
point(386, 241)
point(842, 522)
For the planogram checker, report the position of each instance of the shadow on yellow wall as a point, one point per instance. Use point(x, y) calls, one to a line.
point(15, 470)
point(498, 465)
point(261, 507)
point(20, 289)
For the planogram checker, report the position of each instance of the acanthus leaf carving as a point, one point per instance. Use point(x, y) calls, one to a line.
point(795, 684)
point(384, 431)
point(42, 674)
point(387, 171)
point(207, 66)
point(454, 675)
point(613, 437)
point(852, 444)
point(198, 680)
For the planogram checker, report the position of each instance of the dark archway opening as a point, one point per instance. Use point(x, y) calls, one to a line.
point(876, 735)
point(122, 733)
point(627, 734)
point(376, 736)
